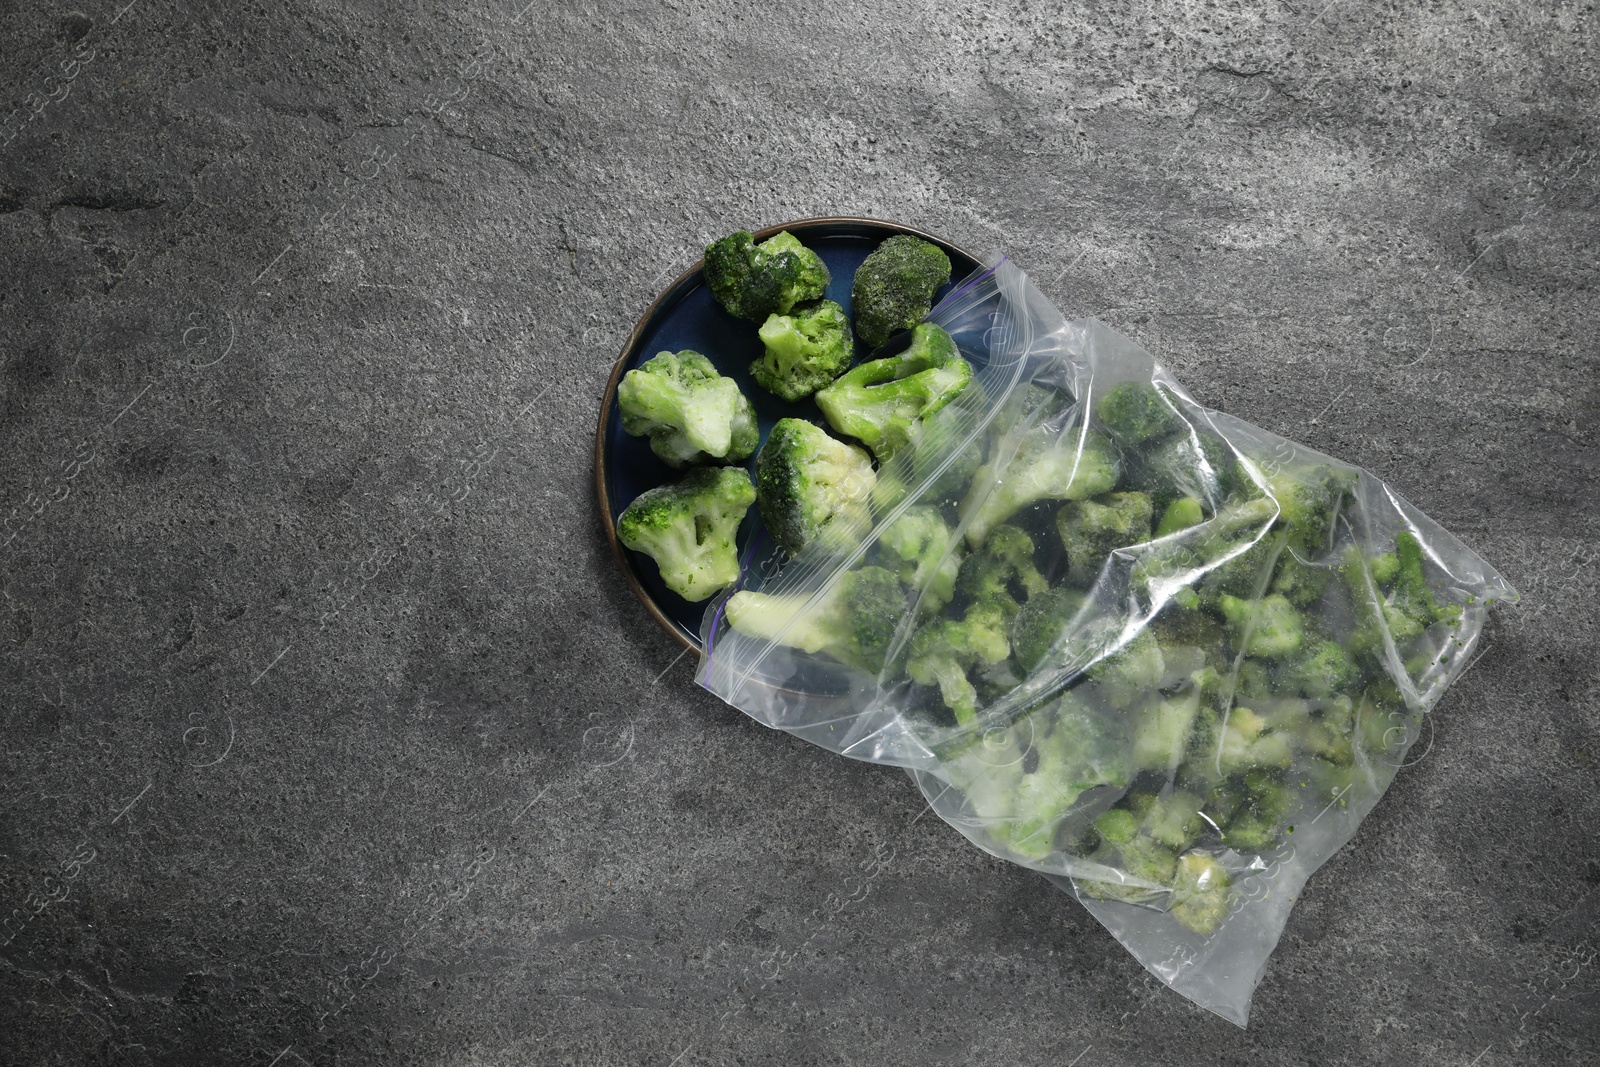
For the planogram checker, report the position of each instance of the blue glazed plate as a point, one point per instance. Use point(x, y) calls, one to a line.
point(686, 316)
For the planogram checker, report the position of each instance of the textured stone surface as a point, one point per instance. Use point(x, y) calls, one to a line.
point(327, 712)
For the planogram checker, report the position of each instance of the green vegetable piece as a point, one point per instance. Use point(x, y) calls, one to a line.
point(1040, 624)
point(1072, 751)
point(753, 281)
point(691, 413)
point(813, 489)
point(919, 547)
point(1130, 673)
point(1182, 513)
point(853, 621)
point(879, 403)
point(1324, 670)
point(1267, 627)
point(1258, 825)
point(1047, 465)
point(944, 649)
point(1142, 858)
point(1247, 746)
point(937, 438)
point(1198, 464)
point(894, 286)
point(1118, 826)
point(1300, 582)
point(1162, 732)
point(1309, 500)
point(1175, 821)
point(1201, 891)
point(1092, 529)
point(1135, 413)
point(1002, 572)
point(1385, 568)
point(805, 350)
point(689, 527)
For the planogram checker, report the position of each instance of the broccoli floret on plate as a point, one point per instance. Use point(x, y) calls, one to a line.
point(894, 286)
point(805, 350)
point(880, 403)
point(753, 281)
point(691, 413)
point(813, 489)
point(688, 528)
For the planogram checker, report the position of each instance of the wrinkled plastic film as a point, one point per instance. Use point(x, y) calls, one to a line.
point(1212, 710)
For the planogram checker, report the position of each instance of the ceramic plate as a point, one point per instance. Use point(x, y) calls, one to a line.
point(685, 316)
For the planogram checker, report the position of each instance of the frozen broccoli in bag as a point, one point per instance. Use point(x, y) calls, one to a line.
point(1165, 658)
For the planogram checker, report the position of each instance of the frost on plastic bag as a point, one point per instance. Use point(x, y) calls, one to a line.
point(1163, 657)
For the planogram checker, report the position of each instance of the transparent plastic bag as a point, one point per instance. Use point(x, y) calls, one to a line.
point(1165, 658)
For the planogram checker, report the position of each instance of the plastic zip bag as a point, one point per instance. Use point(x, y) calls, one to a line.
point(1165, 658)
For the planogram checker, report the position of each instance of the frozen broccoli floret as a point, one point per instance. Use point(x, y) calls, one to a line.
point(1071, 751)
point(1297, 580)
point(1198, 464)
point(1406, 605)
point(894, 286)
point(1047, 465)
point(1002, 572)
point(1385, 568)
point(688, 528)
point(1269, 627)
point(853, 622)
point(1131, 672)
point(1179, 627)
point(1175, 821)
point(1324, 670)
point(1258, 825)
point(1182, 513)
point(918, 547)
point(943, 650)
point(1136, 413)
point(1242, 576)
point(1118, 826)
point(936, 439)
point(1142, 858)
point(805, 350)
point(1309, 500)
point(879, 403)
point(1092, 529)
point(1247, 744)
point(691, 413)
point(1040, 624)
point(753, 280)
point(813, 489)
point(1411, 592)
point(1200, 892)
point(1162, 732)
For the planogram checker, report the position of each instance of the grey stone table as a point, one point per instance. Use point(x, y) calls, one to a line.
point(329, 731)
